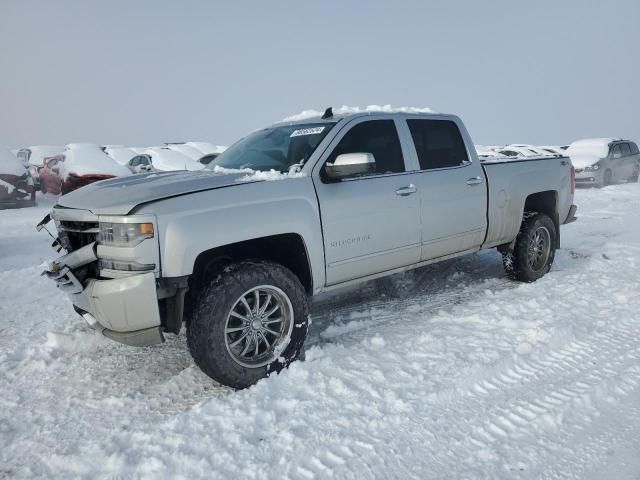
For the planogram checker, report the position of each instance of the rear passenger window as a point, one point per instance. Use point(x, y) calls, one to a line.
point(378, 137)
point(438, 143)
point(634, 148)
point(626, 150)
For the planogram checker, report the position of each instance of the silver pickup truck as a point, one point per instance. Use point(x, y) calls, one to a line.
point(290, 211)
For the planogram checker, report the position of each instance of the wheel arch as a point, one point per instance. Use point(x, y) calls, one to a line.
point(287, 249)
point(544, 202)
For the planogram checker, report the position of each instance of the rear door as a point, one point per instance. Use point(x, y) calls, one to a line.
point(453, 191)
point(370, 223)
point(616, 163)
point(635, 154)
point(628, 162)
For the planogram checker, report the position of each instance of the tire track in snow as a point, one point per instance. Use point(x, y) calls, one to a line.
point(518, 403)
point(372, 315)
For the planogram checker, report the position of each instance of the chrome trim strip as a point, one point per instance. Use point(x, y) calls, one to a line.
point(373, 255)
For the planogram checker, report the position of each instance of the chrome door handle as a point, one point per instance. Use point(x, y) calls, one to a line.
point(408, 190)
point(474, 181)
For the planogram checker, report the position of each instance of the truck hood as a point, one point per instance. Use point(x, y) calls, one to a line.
point(582, 161)
point(119, 196)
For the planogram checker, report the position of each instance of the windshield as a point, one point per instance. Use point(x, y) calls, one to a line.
point(276, 148)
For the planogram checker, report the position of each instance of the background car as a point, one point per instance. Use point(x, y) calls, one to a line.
point(122, 155)
point(192, 152)
point(33, 158)
point(207, 159)
point(207, 148)
point(79, 165)
point(523, 152)
point(488, 153)
point(203, 152)
point(16, 185)
point(552, 149)
point(602, 161)
point(162, 159)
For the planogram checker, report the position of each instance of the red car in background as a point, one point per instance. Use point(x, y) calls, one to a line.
point(79, 165)
point(50, 179)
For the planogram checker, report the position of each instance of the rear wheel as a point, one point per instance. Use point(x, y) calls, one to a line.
point(634, 178)
point(534, 250)
point(249, 321)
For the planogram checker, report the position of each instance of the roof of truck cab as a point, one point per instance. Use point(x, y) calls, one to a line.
point(337, 117)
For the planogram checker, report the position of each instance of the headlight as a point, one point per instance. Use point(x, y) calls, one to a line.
point(592, 168)
point(124, 234)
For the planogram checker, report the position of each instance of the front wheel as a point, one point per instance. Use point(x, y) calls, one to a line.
point(607, 177)
point(249, 321)
point(534, 250)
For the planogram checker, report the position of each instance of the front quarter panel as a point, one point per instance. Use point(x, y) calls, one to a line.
point(191, 224)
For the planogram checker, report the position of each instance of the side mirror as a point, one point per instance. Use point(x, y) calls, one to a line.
point(350, 164)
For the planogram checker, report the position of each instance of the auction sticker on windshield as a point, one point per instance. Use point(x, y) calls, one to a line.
point(306, 131)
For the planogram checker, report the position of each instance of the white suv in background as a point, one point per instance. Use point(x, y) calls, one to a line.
point(602, 161)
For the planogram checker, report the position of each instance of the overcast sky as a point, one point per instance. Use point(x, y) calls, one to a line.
point(145, 72)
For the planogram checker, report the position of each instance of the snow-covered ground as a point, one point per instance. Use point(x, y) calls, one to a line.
point(465, 374)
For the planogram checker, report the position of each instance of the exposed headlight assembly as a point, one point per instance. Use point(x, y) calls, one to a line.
point(124, 234)
point(592, 168)
point(128, 266)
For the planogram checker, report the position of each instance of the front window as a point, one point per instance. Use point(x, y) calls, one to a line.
point(277, 148)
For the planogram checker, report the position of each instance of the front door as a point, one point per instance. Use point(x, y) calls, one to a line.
point(370, 223)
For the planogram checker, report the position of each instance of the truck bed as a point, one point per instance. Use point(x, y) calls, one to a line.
point(510, 182)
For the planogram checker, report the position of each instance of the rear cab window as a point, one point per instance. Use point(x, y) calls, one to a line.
point(438, 143)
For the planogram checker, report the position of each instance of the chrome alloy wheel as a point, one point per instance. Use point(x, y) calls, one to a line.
point(539, 249)
point(258, 326)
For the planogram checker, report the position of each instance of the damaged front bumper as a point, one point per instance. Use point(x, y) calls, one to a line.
point(124, 309)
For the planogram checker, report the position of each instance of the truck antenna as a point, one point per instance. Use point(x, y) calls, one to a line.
point(328, 113)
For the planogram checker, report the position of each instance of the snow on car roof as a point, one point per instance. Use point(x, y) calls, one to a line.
point(167, 159)
point(9, 163)
point(347, 110)
point(122, 155)
point(207, 148)
point(190, 151)
point(40, 152)
point(590, 147)
point(87, 159)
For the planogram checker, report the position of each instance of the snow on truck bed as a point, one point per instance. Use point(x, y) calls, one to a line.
point(464, 375)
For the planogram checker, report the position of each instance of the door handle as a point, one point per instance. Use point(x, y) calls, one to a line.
point(408, 190)
point(474, 181)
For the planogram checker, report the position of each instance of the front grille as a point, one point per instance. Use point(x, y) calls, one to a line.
point(75, 235)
